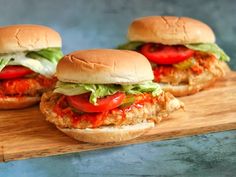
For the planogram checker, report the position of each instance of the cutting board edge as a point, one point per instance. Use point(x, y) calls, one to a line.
point(140, 140)
point(1, 153)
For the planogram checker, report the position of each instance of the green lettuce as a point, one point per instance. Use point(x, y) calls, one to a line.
point(210, 48)
point(130, 45)
point(102, 90)
point(148, 86)
point(42, 66)
point(97, 90)
point(43, 61)
point(51, 54)
point(3, 62)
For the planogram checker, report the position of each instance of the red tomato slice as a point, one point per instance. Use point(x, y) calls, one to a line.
point(165, 54)
point(81, 102)
point(10, 72)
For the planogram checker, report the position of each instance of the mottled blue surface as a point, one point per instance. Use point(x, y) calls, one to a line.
point(103, 23)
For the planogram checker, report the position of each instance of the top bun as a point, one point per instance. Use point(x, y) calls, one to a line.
point(19, 38)
point(170, 30)
point(104, 66)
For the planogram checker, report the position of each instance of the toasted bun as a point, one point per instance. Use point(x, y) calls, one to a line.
point(17, 103)
point(108, 134)
point(104, 66)
point(184, 90)
point(19, 38)
point(170, 30)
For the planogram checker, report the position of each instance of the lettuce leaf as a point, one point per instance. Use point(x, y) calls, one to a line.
point(42, 66)
point(97, 90)
point(3, 62)
point(102, 90)
point(51, 54)
point(43, 61)
point(210, 48)
point(149, 86)
point(130, 45)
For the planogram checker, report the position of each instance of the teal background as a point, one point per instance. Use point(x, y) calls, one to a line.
point(103, 24)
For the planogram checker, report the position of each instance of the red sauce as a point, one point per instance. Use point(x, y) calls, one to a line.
point(1, 93)
point(140, 100)
point(162, 70)
point(96, 119)
point(62, 108)
point(15, 86)
point(18, 87)
point(46, 82)
point(197, 69)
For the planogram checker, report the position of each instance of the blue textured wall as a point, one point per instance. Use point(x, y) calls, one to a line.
point(103, 23)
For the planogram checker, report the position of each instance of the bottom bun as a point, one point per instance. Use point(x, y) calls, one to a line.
point(108, 134)
point(17, 102)
point(184, 90)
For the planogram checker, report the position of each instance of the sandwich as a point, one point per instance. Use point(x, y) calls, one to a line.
point(28, 59)
point(106, 95)
point(184, 56)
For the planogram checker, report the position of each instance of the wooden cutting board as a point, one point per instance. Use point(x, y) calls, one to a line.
point(26, 134)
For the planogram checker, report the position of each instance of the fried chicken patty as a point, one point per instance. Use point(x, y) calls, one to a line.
point(33, 86)
point(205, 69)
point(155, 111)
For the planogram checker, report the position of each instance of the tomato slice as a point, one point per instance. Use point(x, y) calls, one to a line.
point(81, 102)
point(10, 72)
point(165, 54)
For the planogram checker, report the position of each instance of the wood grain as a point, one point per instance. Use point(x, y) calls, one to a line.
point(26, 134)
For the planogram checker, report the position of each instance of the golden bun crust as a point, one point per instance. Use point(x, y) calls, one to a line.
point(170, 30)
point(104, 66)
point(19, 38)
point(108, 134)
point(17, 103)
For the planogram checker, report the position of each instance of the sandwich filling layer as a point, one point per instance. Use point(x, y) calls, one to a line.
point(28, 73)
point(144, 108)
point(76, 105)
point(190, 64)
